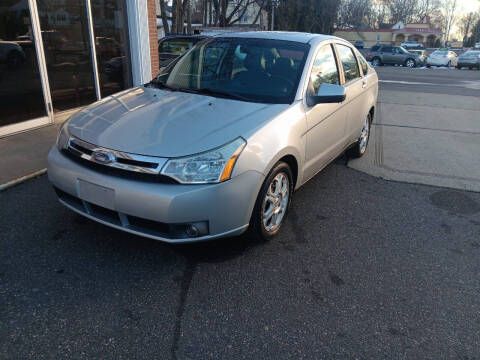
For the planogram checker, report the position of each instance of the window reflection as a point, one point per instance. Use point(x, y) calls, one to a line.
point(21, 96)
point(112, 47)
point(66, 42)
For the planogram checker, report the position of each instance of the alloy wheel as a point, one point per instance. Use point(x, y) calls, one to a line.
point(363, 141)
point(410, 63)
point(275, 202)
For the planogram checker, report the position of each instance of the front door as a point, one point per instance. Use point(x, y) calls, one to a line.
point(325, 122)
point(22, 92)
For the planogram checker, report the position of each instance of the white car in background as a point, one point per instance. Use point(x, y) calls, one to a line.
point(477, 45)
point(442, 58)
point(411, 45)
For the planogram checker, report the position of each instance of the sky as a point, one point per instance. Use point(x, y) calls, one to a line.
point(466, 6)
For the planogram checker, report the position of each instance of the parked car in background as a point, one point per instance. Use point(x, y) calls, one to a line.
point(477, 45)
point(411, 45)
point(442, 58)
point(11, 53)
point(359, 44)
point(219, 140)
point(393, 55)
point(423, 54)
point(172, 46)
point(469, 59)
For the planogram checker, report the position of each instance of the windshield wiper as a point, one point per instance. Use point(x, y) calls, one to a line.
point(220, 93)
point(161, 85)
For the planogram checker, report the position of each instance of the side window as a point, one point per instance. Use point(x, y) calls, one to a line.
point(363, 64)
point(387, 49)
point(349, 63)
point(324, 68)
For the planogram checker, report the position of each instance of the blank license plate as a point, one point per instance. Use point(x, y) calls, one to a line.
point(96, 194)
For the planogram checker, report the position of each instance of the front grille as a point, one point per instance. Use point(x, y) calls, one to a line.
point(107, 170)
point(117, 162)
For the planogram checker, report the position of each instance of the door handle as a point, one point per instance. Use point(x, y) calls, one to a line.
point(364, 84)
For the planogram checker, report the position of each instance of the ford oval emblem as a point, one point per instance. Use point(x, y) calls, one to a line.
point(103, 157)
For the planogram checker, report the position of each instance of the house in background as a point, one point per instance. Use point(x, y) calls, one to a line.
point(424, 33)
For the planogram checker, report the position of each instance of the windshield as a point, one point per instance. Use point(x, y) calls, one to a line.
point(440, 53)
point(256, 70)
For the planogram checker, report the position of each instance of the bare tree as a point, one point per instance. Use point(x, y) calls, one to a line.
point(466, 24)
point(402, 10)
point(163, 12)
point(450, 15)
point(354, 13)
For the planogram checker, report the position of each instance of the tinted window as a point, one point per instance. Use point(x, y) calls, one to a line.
point(324, 68)
point(257, 70)
point(349, 63)
point(363, 64)
point(387, 49)
point(375, 48)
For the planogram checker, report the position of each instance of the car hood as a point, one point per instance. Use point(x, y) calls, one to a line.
point(154, 122)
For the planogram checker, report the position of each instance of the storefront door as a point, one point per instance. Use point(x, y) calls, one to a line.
point(59, 55)
point(23, 89)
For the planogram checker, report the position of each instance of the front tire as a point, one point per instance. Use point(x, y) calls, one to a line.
point(360, 147)
point(272, 203)
point(376, 62)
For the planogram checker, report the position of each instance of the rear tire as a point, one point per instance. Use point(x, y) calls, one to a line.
point(410, 63)
point(275, 197)
point(360, 147)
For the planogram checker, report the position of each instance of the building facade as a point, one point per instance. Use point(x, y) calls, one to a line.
point(59, 55)
point(424, 33)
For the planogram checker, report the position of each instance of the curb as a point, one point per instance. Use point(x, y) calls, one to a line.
point(21, 179)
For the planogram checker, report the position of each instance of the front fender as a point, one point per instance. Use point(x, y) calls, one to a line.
point(283, 135)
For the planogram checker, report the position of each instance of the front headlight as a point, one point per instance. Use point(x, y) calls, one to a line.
point(63, 136)
point(213, 166)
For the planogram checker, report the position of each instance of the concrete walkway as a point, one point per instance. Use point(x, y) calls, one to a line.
point(26, 153)
point(425, 138)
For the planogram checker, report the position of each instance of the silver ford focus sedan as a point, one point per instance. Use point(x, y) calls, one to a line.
point(217, 143)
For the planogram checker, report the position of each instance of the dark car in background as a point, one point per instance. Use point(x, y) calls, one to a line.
point(359, 44)
point(469, 59)
point(172, 46)
point(393, 55)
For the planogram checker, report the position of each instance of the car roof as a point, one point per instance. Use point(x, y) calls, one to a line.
point(277, 35)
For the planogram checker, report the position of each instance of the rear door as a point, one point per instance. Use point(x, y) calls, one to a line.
point(355, 89)
point(325, 122)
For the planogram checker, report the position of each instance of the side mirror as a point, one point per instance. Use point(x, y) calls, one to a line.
point(327, 94)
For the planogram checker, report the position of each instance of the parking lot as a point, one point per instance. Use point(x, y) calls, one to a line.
point(365, 267)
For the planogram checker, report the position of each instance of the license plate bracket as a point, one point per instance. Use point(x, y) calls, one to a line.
point(96, 194)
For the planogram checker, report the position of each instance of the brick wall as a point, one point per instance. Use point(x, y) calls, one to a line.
point(152, 29)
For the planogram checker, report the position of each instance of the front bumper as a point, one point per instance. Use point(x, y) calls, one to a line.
point(225, 208)
point(468, 63)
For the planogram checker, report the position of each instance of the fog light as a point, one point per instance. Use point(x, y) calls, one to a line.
point(192, 231)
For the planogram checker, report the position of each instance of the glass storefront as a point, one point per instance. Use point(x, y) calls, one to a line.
point(21, 93)
point(112, 47)
point(46, 62)
point(66, 43)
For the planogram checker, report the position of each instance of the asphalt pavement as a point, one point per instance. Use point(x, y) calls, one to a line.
point(363, 269)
